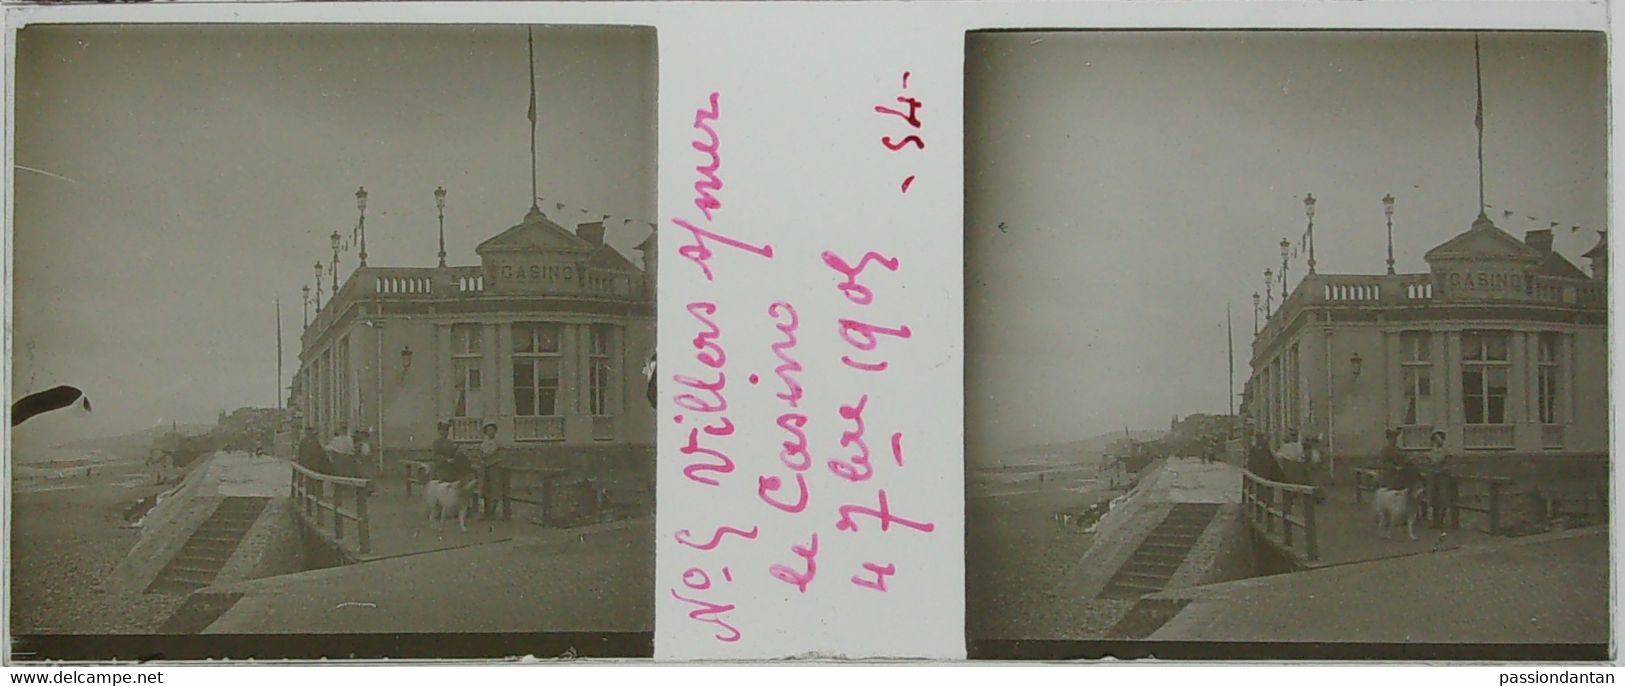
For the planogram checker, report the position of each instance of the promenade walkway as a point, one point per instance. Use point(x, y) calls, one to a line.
point(1348, 532)
point(1548, 588)
point(400, 525)
point(595, 579)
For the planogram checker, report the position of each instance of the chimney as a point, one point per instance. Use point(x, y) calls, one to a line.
point(1539, 239)
point(593, 232)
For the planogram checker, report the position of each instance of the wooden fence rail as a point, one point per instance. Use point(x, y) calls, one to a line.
point(1275, 509)
point(321, 499)
point(1484, 495)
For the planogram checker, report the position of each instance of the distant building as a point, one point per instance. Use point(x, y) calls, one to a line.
point(546, 338)
point(1502, 345)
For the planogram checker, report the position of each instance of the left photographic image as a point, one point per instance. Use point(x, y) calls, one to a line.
point(332, 341)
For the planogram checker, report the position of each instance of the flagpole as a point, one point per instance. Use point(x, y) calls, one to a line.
point(1230, 348)
point(279, 353)
point(530, 46)
point(1478, 120)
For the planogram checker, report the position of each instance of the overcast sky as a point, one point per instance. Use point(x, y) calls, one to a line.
point(188, 176)
point(1145, 181)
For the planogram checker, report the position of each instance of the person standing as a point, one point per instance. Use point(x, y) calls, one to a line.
point(1436, 469)
point(493, 475)
point(450, 463)
point(311, 454)
point(1259, 460)
point(341, 450)
point(1398, 473)
point(363, 457)
point(1294, 469)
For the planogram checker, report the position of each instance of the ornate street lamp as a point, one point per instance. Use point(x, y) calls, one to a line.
point(1388, 210)
point(440, 208)
point(361, 207)
point(406, 358)
point(1309, 210)
point(1286, 247)
point(334, 266)
point(1255, 313)
point(318, 286)
point(306, 289)
point(1269, 291)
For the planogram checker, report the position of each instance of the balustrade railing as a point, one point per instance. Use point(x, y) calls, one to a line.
point(1488, 436)
point(538, 428)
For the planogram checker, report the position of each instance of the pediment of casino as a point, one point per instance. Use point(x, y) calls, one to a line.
point(1483, 242)
point(536, 233)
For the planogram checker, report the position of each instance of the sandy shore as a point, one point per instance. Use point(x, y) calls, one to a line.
point(1016, 555)
point(67, 534)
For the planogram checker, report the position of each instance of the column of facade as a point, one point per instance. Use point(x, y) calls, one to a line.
point(490, 373)
point(504, 377)
point(1392, 379)
point(572, 352)
point(1520, 412)
point(1569, 373)
point(443, 390)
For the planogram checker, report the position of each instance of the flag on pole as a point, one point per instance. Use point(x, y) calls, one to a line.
point(530, 46)
point(1478, 117)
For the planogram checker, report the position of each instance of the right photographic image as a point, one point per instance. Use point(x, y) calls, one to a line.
point(1293, 339)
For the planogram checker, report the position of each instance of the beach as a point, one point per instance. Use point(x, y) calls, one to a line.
point(1017, 555)
point(67, 534)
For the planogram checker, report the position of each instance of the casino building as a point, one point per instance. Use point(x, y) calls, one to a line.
point(547, 338)
point(1502, 344)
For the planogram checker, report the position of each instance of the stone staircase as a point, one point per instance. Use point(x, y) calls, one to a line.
point(208, 549)
point(1153, 564)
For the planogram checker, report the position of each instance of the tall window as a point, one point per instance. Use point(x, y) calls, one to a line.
point(1293, 418)
point(344, 381)
point(536, 368)
point(1547, 377)
point(467, 346)
point(600, 353)
point(1484, 371)
point(1416, 374)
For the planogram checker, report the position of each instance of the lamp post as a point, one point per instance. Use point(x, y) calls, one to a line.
point(334, 267)
point(306, 289)
point(440, 209)
point(1269, 292)
point(1355, 363)
point(1255, 313)
point(1388, 211)
point(1309, 210)
point(318, 286)
point(361, 207)
point(1286, 249)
